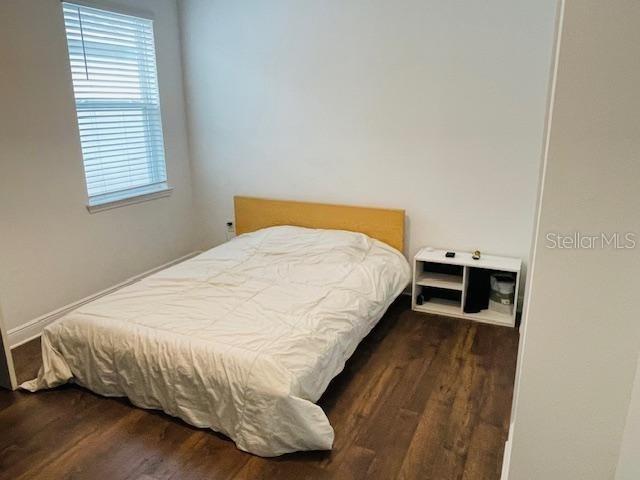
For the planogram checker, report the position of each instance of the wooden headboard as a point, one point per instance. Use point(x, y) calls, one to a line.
point(386, 225)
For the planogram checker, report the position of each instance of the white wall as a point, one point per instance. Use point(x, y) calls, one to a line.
point(581, 335)
point(7, 371)
point(432, 106)
point(629, 460)
point(52, 251)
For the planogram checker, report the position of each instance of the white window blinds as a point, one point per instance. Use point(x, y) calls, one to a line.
point(113, 67)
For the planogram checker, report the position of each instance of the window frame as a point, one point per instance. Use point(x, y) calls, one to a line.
point(137, 194)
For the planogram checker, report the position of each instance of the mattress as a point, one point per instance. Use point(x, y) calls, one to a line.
point(242, 339)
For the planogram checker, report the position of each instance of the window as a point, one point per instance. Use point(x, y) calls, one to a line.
point(115, 84)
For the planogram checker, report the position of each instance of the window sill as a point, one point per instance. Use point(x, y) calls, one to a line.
point(145, 197)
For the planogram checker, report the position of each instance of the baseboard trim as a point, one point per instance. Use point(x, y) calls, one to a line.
point(506, 455)
point(33, 329)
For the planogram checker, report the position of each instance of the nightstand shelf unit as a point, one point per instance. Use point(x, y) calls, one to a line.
point(447, 284)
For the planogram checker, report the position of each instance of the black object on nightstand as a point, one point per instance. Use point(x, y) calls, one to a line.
point(450, 254)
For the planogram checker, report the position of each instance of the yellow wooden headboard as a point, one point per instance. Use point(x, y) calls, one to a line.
point(386, 225)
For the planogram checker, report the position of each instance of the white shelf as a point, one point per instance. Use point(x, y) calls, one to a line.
point(493, 262)
point(489, 316)
point(463, 262)
point(440, 280)
point(440, 306)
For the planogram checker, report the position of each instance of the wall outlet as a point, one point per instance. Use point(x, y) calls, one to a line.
point(230, 230)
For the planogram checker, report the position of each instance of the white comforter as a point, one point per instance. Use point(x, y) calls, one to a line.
point(242, 339)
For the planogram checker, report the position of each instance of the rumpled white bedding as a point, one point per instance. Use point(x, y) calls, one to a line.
point(242, 339)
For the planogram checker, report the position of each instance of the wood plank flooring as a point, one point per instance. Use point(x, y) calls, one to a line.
point(423, 397)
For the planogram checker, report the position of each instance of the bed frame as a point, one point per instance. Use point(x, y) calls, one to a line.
point(386, 225)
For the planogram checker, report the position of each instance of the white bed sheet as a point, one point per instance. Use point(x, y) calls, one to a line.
point(242, 339)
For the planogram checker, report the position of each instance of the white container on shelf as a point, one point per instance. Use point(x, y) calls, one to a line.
point(502, 293)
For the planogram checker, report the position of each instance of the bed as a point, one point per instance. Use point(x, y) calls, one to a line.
point(244, 338)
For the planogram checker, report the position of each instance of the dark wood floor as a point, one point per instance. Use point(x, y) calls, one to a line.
point(423, 397)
